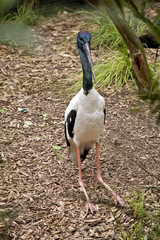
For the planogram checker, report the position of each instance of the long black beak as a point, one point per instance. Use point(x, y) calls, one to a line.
point(88, 55)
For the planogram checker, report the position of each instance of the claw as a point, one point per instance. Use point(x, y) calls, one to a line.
point(91, 207)
point(117, 200)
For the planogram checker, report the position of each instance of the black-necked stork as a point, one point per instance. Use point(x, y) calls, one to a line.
point(149, 41)
point(84, 118)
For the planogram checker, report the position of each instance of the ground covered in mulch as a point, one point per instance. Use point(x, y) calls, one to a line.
point(39, 192)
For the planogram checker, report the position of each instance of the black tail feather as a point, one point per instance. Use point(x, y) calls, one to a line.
point(84, 154)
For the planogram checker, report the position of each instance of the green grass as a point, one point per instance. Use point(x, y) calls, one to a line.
point(3, 224)
point(115, 70)
point(145, 220)
point(24, 14)
point(106, 34)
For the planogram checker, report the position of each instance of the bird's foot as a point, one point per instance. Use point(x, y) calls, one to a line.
point(91, 207)
point(118, 200)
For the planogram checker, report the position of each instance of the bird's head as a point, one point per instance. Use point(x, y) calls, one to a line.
point(83, 37)
point(83, 42)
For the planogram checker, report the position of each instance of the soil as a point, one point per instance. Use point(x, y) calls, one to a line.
point(39, 188)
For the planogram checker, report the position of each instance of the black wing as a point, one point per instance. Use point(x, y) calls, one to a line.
point(69, 125)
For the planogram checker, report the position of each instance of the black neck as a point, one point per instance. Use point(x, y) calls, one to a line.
point(87, 74)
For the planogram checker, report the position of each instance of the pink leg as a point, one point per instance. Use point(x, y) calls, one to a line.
point(89, 205)
point(116, 197)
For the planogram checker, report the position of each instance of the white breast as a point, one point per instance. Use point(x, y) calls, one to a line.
point(89, 122)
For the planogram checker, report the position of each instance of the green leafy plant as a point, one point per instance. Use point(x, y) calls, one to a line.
point(2, 110)
point(27, 124)
point(144, 224)
point(115, 70)
point(45, 116)
point(3, 223)
point(106, 34)
point(59, 156)
point(24, 14)
point(5, 5)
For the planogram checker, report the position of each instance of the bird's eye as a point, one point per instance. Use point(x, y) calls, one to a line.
point(81, 38)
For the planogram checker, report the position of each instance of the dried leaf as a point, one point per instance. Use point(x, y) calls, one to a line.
point(2, 110)
point(27, 124)
point(57, 147)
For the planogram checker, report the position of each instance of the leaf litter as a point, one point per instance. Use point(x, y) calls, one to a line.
point(43, 196)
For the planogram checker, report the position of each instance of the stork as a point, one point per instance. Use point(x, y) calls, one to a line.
point(149, 41)
point(84, 119)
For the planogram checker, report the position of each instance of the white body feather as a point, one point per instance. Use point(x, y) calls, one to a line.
point(89, 122)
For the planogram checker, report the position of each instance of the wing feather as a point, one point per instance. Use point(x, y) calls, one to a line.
point(69, 125)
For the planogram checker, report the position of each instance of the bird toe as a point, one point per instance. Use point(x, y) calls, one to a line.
point(90, 207)
point(118, 200)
